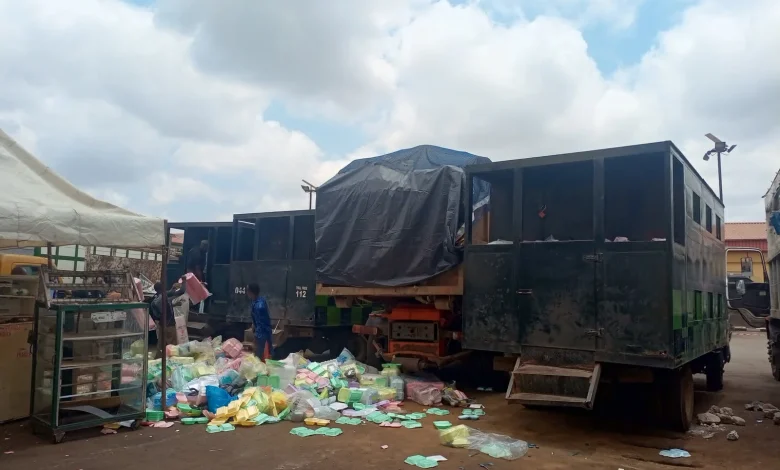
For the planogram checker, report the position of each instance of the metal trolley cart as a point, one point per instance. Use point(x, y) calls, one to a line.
point(89, 352)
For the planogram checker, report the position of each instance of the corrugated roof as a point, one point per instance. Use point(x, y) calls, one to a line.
point(745, 231)
point(758, 244)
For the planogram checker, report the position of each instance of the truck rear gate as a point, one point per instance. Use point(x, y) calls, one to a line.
point(183, 237)
point(595, 260)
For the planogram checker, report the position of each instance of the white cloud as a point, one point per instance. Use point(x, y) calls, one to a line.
point(530, 88)
point(119, 98)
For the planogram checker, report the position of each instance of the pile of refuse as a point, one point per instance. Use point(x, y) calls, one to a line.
point(220, 386)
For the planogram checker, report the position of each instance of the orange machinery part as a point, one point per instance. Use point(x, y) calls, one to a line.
point(418, 313)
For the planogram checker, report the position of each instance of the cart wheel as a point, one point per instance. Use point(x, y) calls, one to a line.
point(714, 371)
point(677, 397)
point(136, 425)
point(58, 436)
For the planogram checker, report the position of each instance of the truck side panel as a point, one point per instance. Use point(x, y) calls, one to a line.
point(490, 321)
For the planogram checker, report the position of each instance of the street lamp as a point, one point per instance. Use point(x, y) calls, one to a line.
point(309, 188)
point(720, 147)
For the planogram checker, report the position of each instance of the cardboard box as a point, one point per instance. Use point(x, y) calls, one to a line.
point(15, 371)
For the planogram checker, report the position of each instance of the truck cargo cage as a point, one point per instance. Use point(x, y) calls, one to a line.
point(607, 257)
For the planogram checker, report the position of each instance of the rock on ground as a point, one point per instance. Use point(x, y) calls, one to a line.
point(733, 436)
point(708, 418)
point(736, 420)
point(776, 419)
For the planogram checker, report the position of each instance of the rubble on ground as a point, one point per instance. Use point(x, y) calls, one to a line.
point(708, 418)
point(732, 436)
point(725, 416)
point(219, 386)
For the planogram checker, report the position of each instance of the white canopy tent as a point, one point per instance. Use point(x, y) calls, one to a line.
point(39, 208)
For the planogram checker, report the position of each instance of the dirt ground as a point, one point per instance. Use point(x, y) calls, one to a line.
point(564, 439)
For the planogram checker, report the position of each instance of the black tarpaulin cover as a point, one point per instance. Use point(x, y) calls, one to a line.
point(392, 220)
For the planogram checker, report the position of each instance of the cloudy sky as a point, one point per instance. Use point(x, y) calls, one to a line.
point(197, 109)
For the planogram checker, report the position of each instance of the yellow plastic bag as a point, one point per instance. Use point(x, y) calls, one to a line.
point(280, 400)
point(456, 436)
point(264, 403)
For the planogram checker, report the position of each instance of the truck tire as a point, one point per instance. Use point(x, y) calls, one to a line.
point(677, 398)
point(714, 371)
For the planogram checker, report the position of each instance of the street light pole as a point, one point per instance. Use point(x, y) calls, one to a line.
point(309, 188)
point(720, 148)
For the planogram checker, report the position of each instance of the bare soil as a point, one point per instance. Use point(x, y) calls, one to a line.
point(616, 436)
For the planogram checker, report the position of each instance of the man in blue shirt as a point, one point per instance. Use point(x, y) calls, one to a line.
point(261, 321)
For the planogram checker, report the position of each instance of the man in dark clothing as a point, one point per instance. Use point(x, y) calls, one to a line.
point(196, 259)
point(261, 321)
point(155, 311)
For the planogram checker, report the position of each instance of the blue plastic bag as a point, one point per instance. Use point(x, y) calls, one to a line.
point(170, 399)
point(216, 398)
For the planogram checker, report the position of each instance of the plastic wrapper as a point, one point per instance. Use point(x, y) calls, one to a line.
point(154, 370)
point(178, 361)
point(202, 369)
point(280, 400)
point(497, 446)
point(199, 385)
point(156, 400)
point(295, 360)
point(454, 397)
point(301, 402)
point(203, 351)
point(180, 377)
point(251, 367)
point(373, 380)
point(424, 393)
point(284, 370)
point(229, 377)
point(325, 412)
point(345, 356)
point(397, 383)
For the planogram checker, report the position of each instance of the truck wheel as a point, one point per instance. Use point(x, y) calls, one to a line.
point(714, 371)
point(677, 398)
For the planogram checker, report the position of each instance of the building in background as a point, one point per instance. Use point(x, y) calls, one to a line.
point(746, 235)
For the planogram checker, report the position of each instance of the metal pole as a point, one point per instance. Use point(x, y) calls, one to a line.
point(310, 193)
point(164, 320)
point(720, 180)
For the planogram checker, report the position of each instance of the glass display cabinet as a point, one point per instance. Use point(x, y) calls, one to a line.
point(89, 355)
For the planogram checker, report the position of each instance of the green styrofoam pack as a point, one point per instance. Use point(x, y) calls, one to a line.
point(330, 432)
point(420, 461)
point(349, 421)
point(302, 432)
point(437, 411)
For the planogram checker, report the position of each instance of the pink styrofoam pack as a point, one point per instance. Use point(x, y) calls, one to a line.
point(232, 347)
point(197, 291)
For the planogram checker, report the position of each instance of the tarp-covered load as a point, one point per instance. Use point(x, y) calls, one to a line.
point(393, 220)
point(37, 207)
